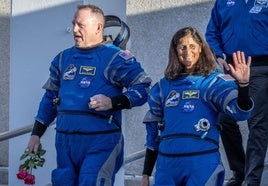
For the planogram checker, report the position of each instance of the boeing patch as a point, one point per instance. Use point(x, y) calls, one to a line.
point(70, 72)
point(172, 99)
point(258, 5)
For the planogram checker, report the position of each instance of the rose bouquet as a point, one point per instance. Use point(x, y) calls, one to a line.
point(34, 160)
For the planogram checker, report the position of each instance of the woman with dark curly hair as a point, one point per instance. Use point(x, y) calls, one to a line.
point(182, 132)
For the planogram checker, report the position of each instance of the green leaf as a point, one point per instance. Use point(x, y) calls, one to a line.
point(42, 152)
point(34, 159)
point(40, 164)
point(37, 159)
point(23, 156)
point(31, 164)
point(32, 155)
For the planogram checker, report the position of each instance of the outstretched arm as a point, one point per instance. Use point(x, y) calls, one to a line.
point(241, 72)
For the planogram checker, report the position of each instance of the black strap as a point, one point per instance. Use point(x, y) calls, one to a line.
point(90, 133)
point(189, 153)
point(186, 135)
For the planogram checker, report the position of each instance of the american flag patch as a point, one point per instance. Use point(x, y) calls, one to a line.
point(126, 55)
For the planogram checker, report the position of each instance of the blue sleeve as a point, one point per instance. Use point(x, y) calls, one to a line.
point(127, 72)
point(153, 117)
point(152, 136)
point(47, 110)
point(223, 96)
point(155, 113)
point(213, 33)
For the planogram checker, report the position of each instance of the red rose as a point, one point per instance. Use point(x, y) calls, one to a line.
point(29, 179)
point(22, 174)
point(32, 160)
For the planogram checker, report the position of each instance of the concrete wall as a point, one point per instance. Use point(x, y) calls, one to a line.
point(4, 80)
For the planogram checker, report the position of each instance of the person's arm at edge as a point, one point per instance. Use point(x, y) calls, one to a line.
point(149, 163)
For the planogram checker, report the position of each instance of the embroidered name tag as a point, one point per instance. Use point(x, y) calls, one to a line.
point(190, 94)
point(87, 70)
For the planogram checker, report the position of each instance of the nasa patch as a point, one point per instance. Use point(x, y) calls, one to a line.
point(188, 106)
point(85, 82)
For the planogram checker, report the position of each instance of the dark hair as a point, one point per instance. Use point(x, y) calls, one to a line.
point(206, 62)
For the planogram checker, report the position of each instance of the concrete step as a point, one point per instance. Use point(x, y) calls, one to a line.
point(3, 175)
point(135, 180)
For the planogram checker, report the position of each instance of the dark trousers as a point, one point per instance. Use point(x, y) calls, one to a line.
point(251, 164)
point(233, 145)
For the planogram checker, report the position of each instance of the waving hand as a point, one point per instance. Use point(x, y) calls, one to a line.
point(241, 68)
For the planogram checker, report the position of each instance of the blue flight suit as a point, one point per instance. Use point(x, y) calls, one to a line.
point(182, 125)
point(90, 143)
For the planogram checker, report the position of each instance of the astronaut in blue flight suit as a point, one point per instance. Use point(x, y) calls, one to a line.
point(89, 84)
point(182, 135)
